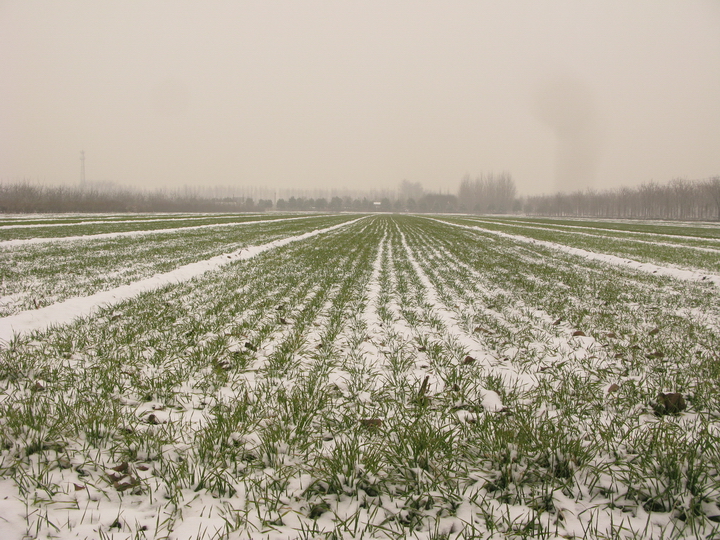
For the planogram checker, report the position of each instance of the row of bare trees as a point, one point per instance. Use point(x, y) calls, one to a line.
point(679, 199)
point(23, 197)
point(488, 194)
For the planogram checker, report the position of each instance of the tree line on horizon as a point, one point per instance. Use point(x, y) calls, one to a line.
point(679, 199)
point(27, 198)
point(488, 193)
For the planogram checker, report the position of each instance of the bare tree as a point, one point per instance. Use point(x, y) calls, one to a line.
point(712, 190)
point(678, 199)
point(411, 190)
point(488, 193)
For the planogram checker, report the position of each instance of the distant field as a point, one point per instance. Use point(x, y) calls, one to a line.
point(58, 227)
point(37, 273)
point(348, 376)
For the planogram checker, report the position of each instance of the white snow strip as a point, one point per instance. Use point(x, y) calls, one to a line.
point(650, 268)
point(552, 228)
point(73, 308)
point(373, 288)
point(114, 221)
point(490, 399)
point(25, 241)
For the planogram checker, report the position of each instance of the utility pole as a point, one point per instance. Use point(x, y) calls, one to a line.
point(82, 168)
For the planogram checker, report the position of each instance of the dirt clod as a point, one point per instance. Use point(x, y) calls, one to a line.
point(116, 477)
point(122, 468)
point(126, 483)
point(670, 403)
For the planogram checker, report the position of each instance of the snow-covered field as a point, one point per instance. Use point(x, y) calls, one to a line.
point(90, 263)
point(359, 377)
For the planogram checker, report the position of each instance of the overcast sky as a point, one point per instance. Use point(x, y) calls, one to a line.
point(563, 95)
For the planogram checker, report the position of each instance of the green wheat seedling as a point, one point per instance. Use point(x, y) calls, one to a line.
point(30, 272)
point(401, 377)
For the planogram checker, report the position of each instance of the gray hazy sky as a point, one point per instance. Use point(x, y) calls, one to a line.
point(360, 94)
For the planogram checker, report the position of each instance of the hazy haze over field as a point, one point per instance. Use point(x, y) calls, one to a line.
point(360, 94)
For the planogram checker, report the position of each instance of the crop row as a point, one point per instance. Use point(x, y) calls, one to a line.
point(33, 276)
point(697, 254)
point(667, 229)
point(17, 229)
point(70, 218)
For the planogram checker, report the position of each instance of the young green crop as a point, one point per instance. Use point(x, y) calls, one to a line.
point(398, 377)
point(33, 276)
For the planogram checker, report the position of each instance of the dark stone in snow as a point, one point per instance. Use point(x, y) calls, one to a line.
point(670, 403)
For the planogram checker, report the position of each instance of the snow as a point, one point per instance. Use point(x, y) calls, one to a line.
point(28, 241)
point(619, 232)
point(68, 310)
point(668, 271)
point(577, 512)
point(113, 221)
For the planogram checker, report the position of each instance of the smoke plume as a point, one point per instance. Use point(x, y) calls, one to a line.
point(566, 106)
